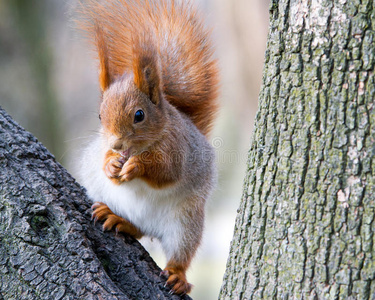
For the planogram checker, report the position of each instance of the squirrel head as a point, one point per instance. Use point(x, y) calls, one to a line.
point(132, 109)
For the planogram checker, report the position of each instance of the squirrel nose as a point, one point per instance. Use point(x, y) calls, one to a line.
point(116, 145)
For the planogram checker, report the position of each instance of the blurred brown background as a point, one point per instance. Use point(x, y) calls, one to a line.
point(48, 83)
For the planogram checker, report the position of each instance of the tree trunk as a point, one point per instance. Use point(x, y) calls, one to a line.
point(49, 247)
point(305, 226)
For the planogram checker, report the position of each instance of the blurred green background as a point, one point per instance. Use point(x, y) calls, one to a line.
point(48, 84)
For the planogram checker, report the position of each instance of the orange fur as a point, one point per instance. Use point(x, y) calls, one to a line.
point(104, 72)
point(155, 167)
point(189, 71)
point(146, 70)
point(155, 57)
point(103, 213)
point(113, 163)
point(176, 273)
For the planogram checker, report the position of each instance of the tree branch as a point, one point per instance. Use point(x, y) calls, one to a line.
point(49, 247)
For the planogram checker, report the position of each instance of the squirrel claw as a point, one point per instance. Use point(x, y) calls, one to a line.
point(96, 205)
point(164, 274)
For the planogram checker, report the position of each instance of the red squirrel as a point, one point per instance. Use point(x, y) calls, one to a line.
point(151, 168)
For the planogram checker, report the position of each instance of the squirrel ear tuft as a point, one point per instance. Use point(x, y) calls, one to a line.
point(104, 74)
point(146, 69)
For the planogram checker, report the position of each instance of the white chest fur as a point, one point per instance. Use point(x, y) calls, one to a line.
point(153, 211)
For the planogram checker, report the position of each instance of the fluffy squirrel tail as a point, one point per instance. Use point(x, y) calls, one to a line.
point(119, 28)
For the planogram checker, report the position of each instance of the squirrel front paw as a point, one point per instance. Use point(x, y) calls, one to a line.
point(113, 165)
point(131, 169)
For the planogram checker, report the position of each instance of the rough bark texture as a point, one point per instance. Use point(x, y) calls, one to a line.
point(305, 227)
point(49, 247)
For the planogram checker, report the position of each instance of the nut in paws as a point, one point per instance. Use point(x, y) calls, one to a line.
point(114, 166)
point(131, 169)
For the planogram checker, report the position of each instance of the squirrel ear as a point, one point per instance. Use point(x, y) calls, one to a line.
point(104, 74)
point(146, 68)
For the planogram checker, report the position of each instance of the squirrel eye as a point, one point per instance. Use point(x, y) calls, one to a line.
point(139, 116)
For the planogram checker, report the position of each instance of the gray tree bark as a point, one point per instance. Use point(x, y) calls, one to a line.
point(49, 247)
point(305, 226)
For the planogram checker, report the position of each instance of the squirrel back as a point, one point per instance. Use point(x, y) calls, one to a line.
point(126, 32)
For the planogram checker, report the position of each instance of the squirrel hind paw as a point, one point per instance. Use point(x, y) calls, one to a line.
point(101, 211)
point(114, 221)
point(177, 282)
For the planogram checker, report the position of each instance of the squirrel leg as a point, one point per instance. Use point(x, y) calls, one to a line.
point(181, 242)
point(102, 212)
